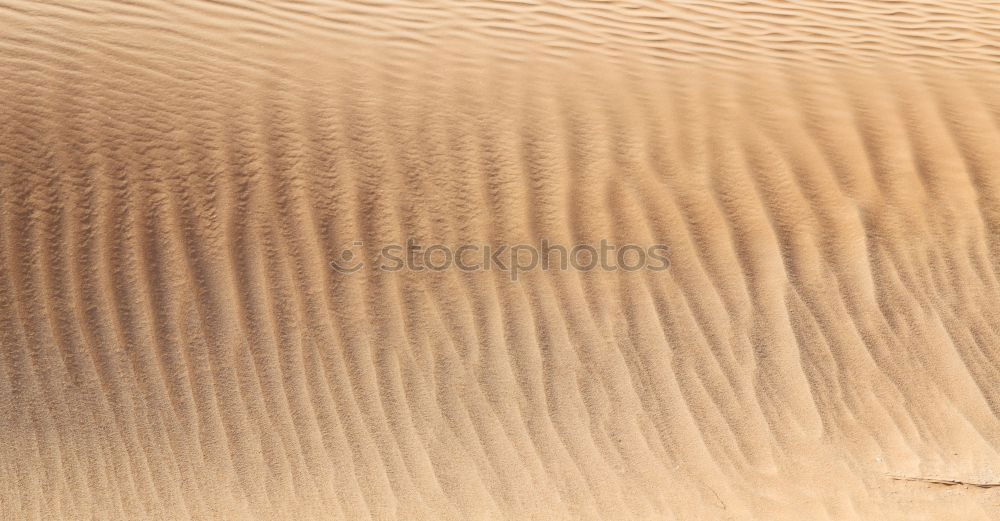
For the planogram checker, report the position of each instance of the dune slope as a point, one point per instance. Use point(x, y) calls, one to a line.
point(175, 179)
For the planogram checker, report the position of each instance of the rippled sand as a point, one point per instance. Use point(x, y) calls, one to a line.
point(176, 176)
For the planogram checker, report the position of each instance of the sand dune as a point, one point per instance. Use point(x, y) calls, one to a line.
point(176, 177)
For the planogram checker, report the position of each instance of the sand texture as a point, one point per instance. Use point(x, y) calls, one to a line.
point(176, 176)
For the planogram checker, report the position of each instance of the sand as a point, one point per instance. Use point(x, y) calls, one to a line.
point(175, 178)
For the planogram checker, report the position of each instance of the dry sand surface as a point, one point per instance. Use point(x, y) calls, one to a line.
point(176, 176)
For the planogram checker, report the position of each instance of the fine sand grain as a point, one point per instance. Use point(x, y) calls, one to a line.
point(176, 177)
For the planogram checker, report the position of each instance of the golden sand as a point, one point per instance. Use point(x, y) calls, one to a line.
point(175, 178)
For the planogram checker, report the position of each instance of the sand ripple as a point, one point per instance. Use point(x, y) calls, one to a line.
point(175, 177)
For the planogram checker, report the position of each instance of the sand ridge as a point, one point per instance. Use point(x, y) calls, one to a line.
point(175, 179)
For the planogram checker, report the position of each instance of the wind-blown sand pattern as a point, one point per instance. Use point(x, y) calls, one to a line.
point(176, 176)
